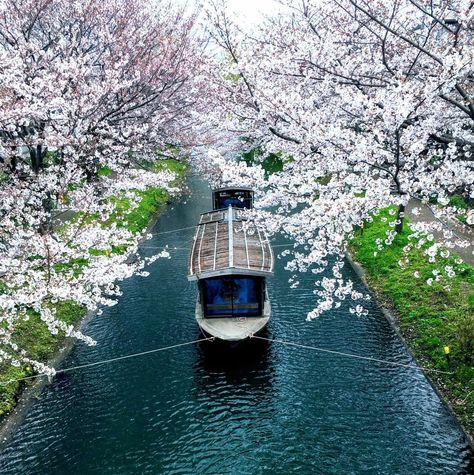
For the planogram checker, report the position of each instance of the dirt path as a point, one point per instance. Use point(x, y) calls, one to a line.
point(460, 230)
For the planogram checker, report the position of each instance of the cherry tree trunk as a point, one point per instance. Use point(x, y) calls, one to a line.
point(400, 218)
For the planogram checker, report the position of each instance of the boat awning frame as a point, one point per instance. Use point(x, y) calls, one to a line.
point(224, 245)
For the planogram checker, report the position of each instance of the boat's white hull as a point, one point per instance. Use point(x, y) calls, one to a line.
point(233, 329)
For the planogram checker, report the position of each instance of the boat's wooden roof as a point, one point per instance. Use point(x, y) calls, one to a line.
point(225, 244)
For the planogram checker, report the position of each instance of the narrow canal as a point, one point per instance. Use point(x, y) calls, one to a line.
point(258, 408)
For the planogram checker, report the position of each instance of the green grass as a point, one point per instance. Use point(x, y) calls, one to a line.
point(137, 219)
point(33, 334)
point(152, 199)
point(176, 166)
point(430, 317)
point(272, 163)
point(104, 171)
point(461, 203)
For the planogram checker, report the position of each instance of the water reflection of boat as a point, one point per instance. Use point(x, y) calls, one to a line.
point(248, 362)
point(230, 260)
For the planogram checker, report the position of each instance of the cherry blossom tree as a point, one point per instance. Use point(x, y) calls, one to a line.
point(97, 79)
point(369, 102)
point(83, 86)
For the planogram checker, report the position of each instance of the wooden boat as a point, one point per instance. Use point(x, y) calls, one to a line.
point(230, 260)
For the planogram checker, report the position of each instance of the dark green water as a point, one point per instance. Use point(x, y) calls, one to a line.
point(252, 409)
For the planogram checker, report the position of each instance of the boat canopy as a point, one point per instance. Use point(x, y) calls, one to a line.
point(222, 198)
point(226, 244)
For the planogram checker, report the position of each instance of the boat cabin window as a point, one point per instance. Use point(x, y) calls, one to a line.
point(235, 198)
point(232, 296)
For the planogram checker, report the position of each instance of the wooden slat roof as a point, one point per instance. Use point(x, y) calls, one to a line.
point(224, 245)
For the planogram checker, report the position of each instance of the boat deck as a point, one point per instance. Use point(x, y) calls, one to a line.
point(225, 243)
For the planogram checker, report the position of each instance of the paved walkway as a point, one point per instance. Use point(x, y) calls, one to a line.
point(460, 230)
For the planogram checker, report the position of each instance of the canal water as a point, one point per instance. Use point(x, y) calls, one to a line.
point(255, 408)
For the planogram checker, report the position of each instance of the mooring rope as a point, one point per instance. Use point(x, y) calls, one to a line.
point(110, 360)
point(271, 340)
point(350, 355)
point(174, 230)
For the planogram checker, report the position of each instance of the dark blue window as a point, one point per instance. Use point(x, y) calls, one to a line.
point(232, 296)
point(235, 198)
point(235, 202)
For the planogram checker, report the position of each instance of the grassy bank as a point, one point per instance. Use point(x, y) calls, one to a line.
point(463, 205)
point(151, 200)
point(431, 317)
point(33, 335)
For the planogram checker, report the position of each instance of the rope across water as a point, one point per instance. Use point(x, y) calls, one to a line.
point(271, 340)
point(350, 355)
point(110, 360)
